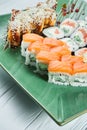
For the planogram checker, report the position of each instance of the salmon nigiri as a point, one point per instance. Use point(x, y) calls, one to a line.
point(79, 77)
point(32, 50)
point(59, 72)
point(43, 58)
point(29, 38)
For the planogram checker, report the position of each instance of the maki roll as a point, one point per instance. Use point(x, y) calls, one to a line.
point(34, 49)
point(42, 60)
point(59, 72)
point(68, 26)
point(80, 36)
point(79, 77)
point(53, 32)
point(71, 44)
point(28, 39)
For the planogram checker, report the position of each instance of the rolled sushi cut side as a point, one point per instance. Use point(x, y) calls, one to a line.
point(68, 26)
point(59, 72)
point(53, 32)
point(42, 60)
point(80, 37)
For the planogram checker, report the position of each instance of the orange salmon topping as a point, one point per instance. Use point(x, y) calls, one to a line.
point(81, 52)
point(62, 50)
point(58, 66)
point(52, 42)
point(56, 31)
point(31, 37)
point(80, 67)
point(71, 59)
point(69, 23)
point(83, 31)
point(38, 46)
point(46, 57)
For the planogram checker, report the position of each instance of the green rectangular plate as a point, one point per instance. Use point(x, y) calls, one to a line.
point(62, 103)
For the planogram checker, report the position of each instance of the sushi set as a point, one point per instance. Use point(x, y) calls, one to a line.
point(44, 44)
point(47, 60)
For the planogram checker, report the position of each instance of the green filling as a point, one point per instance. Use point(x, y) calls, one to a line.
point(32, 57)
point(65, 30)
point(77, 38)
point(42, 66)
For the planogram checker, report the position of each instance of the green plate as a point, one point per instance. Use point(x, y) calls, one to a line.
point(62, 103)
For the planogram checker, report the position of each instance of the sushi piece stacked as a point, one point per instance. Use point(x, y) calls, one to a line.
point(63, 57)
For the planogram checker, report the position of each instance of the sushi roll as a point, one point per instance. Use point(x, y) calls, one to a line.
point(27, 39)
point(53, 32)
point(68, 26)
point(82, 52)
point(80, 36)
point(71, 44)
point(79, 77)
point(59, 72)
point(32, 50)
point(42, 60)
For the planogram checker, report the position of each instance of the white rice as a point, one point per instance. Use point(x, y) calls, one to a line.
point(79, 79)
point(24, 46)
point(29, 57)
point(59, 78)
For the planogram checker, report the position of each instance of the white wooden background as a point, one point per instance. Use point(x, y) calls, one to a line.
point(16, 111)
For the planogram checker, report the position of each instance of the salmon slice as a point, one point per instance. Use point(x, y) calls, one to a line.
point(71, 59)
point(46, 57)
point(32, 37)
point(79, 67)
point(38, 46)
point(63, 50)
point(60, 66)
point(69, 23)
point(53, 42)
point(81, 52)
